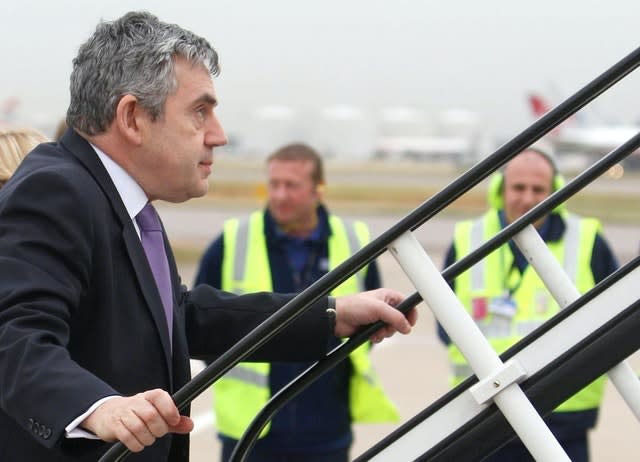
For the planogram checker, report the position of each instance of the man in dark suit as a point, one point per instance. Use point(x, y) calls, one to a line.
point(91, 345)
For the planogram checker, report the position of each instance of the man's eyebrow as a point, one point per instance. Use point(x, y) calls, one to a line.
point(208, 99)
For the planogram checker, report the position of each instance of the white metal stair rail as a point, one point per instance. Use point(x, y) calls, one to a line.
point(498, 381)
point(564, 292)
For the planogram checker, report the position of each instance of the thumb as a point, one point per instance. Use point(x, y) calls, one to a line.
point(184, 425)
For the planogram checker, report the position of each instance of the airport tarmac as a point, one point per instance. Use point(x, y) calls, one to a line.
point(412, 368)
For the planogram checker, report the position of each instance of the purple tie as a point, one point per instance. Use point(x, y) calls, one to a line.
point(153, 243)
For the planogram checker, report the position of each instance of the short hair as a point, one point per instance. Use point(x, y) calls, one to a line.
point(14, 145)
point(301, 151)
point(134, 55)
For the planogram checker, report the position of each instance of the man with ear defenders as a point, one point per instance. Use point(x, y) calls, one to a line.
point(507, 299)
point(285, 248)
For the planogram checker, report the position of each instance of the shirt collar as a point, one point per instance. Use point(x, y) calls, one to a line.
point(321, 232)
point(132, 195)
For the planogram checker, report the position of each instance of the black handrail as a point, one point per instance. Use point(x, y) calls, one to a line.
point(283, 317)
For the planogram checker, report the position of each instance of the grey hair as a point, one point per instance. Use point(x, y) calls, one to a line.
point(134, 55)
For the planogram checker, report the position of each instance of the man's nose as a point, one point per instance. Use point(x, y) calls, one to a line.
point(530, 198)
point(215, 135)
point(279, 191)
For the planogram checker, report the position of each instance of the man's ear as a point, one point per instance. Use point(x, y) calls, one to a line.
point(128, 118)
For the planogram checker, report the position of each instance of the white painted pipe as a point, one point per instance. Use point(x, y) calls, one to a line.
point(565, 292)
point(462, 330)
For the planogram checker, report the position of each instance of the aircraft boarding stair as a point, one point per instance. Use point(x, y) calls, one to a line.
point(592, 335)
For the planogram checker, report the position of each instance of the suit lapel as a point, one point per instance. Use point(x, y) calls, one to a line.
point(85, 154)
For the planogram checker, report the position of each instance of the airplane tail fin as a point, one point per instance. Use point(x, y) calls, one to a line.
point(539, 106)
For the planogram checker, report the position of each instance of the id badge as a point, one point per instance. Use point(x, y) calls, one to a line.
point(503, 306)
point(479, 308)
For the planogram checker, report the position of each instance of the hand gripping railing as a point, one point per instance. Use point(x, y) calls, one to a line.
point(275, 323)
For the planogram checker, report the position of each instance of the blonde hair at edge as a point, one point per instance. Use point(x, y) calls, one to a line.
point(14, 145)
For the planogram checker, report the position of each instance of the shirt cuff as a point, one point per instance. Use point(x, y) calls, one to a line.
point(331, 315)
point(72, 430)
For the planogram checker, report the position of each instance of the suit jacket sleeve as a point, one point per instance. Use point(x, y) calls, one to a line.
point(217, 320)
point(45, 269)
point(230, 317)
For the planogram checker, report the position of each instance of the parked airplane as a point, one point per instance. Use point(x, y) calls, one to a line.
point(454, 136)
point(581, 137)
point(348, 132)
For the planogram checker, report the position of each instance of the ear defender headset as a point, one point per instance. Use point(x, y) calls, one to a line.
point(494, 190)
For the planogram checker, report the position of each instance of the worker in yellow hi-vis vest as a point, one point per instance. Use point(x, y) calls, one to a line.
point(506, 297)
point(285, 248)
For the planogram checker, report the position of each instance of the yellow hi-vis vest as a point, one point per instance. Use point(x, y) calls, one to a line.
point(491, 278)
point(244, 390)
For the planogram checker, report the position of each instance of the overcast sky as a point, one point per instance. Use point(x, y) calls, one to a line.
point(484, 56)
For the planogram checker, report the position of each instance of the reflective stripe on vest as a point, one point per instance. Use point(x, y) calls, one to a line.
point(488, 279)
point(499, 327)
point(244, 390)
point(240, 254)
point(244, 374)
point(356, 233)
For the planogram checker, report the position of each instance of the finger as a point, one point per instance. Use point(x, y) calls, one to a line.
point(382, 333)
point(125, 434)
point(164, 405)
point(166, 408)
point(152, 424)
point(387, 332)
point(412, 316)
point(184, 426)
point(393, 297)
point(397, 320)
